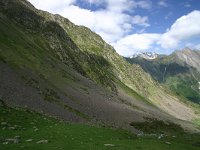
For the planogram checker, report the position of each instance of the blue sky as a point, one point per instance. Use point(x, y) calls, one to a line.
point(130, 26)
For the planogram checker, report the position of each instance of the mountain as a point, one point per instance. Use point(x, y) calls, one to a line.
point(52, 66)
point(179, 71)
point(190, 57)
point(145, 55)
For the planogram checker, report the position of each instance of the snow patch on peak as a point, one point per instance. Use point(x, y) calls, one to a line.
point(145, 55)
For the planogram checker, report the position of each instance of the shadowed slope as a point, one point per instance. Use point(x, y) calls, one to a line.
point(51, 65)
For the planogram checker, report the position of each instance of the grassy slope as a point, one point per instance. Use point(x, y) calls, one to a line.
point(31, 50)
point(184, 85)
point(25, 45)
point(177, 77)
point(62, 135)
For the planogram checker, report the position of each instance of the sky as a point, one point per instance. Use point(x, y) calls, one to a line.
point(131, 26)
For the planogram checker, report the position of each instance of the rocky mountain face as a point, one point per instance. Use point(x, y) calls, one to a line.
point(190, 57)
point(179, 71)
point(50, 65)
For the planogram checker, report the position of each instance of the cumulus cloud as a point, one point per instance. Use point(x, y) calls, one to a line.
point(112, 23)
point(139, 42)
point(145, 4)
point(79, 16)
point(183, 28)
point(52, 5)
point(140, 20)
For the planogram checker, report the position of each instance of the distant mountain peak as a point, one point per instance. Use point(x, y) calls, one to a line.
point(145, 55)
point(184, 50)
point(187, 49)
point(189, 56)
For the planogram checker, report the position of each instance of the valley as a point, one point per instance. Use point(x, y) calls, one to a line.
point(77, 92)
point(178, 71)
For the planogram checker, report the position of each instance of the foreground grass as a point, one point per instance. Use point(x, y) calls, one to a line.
point(197, 122)
point(61, 135)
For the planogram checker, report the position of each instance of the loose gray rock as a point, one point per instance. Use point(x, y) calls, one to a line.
point(168, 143)
point(42, 142)
point(29, 140)
point(5, 143)
point(111, 145)
point(160, 136)
point(12, 140)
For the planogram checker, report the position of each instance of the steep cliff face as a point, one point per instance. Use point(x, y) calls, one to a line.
point(51, 65)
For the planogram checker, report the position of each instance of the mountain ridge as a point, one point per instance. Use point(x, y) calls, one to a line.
point(181, 68)
point(77, 77)
point(145, 55)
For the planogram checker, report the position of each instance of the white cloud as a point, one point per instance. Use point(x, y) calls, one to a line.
point(136, 42)
point(128, 5)
point(112, 23)
point(143, 21)
point(145, 4)
point(103, 22)
point(162, 3)
point(184, 28)
point(79, 16)
point(52, 5)
point(119, 5)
